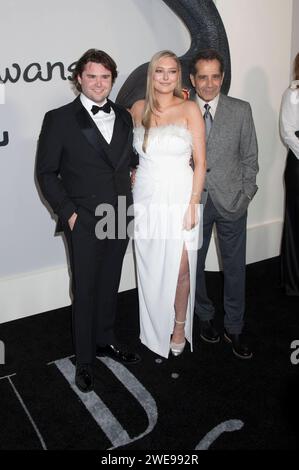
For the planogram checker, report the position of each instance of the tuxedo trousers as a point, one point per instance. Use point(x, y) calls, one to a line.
point(290, 235)
point(231, 238)
point(96, 266)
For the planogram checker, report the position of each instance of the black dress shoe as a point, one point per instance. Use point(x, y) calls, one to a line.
point(84, 377)
point(208, 332)
point(118, 354)
point(240, 349)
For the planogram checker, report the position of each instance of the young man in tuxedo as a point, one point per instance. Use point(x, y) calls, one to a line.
point(83, 160)
point(230, 185)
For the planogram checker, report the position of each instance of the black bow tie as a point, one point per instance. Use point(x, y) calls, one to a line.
point(106, 108)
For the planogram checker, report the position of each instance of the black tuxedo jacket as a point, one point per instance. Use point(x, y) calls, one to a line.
point(76, 168)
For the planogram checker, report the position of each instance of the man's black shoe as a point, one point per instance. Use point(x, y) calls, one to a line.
point(240, 349)
point(84, 377)
point(117, 354)
point(208, 332)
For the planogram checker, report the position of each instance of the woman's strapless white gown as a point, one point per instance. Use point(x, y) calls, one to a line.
point(161, 192)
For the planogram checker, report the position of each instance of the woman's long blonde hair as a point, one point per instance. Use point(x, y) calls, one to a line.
point(151, 103)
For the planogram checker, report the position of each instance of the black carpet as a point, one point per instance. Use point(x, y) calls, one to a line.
point(205, 399)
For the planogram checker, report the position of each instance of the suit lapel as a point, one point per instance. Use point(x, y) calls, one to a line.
point(119, 138)
point(217, 129)
point(112, 153)
point(91, 132)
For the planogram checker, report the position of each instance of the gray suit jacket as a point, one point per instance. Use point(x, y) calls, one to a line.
point(232, 163)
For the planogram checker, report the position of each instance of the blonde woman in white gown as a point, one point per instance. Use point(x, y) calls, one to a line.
point(168, 131)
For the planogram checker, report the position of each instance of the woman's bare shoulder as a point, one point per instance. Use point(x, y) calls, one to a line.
point(191, 108)
point(137, 111)
point(190, 105)
point(138, 106)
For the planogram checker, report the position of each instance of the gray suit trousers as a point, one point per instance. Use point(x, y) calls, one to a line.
point(231, 236)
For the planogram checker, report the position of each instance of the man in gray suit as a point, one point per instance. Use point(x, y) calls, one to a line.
point(230, 186)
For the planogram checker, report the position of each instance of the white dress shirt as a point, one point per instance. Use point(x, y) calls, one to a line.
point(213, 104)
point(289, 118)
point(103, 121)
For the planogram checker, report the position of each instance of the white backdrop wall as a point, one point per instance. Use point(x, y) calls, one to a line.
point(295, 33)
point(33, 270)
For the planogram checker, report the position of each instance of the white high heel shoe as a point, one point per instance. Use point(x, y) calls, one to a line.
point(177, 348)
